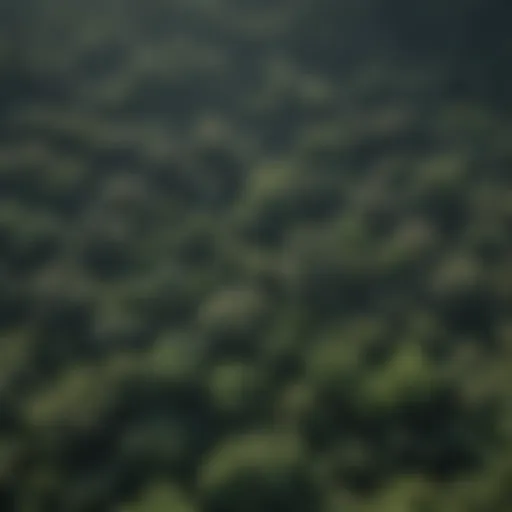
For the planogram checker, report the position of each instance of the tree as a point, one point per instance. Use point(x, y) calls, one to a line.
point(257, 472)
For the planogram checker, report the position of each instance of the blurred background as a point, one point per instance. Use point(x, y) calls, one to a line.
point(255, 256)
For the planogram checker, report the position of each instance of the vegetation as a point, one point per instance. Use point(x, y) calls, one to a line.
point(255, 256)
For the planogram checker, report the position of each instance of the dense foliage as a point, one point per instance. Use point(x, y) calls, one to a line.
point(255, 256)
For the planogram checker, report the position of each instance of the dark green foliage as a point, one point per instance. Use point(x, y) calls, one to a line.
point(255, 256)
point(258, 472)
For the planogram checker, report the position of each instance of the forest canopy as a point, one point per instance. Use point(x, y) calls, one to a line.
point(255, 256)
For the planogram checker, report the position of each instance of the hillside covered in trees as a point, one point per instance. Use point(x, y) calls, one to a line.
point(255, 256)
